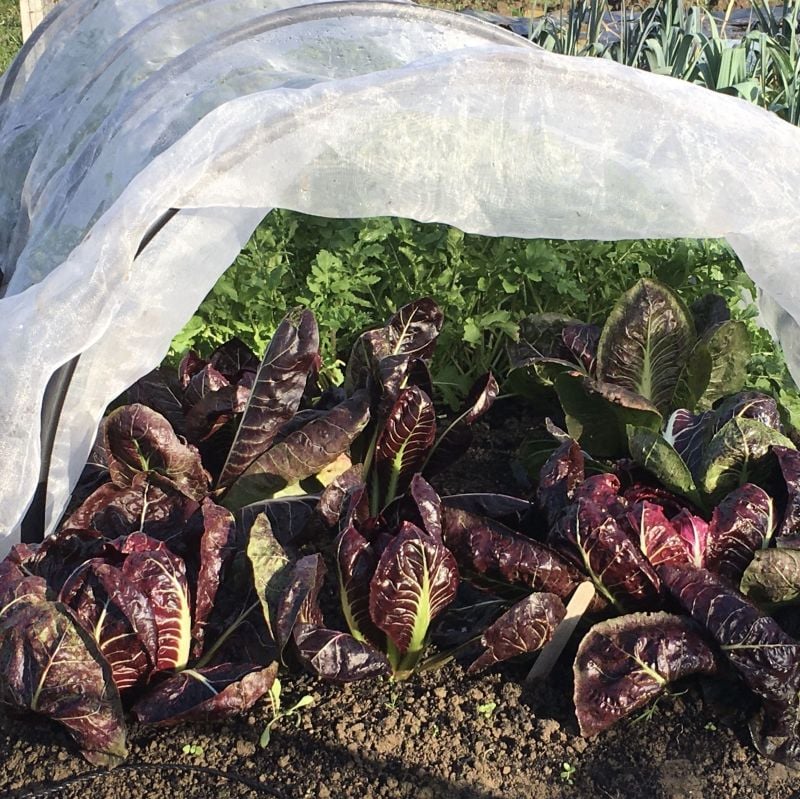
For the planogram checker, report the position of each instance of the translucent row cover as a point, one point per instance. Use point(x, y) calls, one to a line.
point(117, 111)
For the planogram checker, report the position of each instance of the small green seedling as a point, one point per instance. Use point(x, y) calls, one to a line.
point(487, 708)
point(567, 772)
point(193, 749)
point(278, 713)
point(711, 727)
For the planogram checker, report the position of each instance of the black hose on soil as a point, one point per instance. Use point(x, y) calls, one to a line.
point(55, 788)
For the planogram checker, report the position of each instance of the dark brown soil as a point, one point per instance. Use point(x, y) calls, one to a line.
point(441, 735)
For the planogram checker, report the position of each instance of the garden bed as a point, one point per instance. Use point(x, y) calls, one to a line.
point(439, 734)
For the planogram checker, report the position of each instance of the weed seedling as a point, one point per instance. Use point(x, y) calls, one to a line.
point(567, 772)
point(487, 708)
point(193, 749)
point(279, 713)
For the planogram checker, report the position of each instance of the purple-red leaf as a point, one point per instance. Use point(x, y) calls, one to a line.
point(356, 562)
point(413, 330)
point(161, 576)
point(489, 548)
point(298, 603)
point(415, 580)
point(560, 476)
point(338, 657)
point(525, 628)
point(118, 617)
point(207, 694)
point(51, 667)
point(741, 524)
point(139, 507)
point(140, 440)
point(315, 445)
point(333, 498)
point(280, 382)
point(624, 663)
point(581, 341)
point(594, 540)
point(659, 540)
point(217, 547)
point(767, 658)
point(789, 462)
point(407, 436)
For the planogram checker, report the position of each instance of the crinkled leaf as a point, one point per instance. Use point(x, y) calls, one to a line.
point(403, 445)
point(560, 475)
point(293, 353)
point(741, 524)
point(161, 576)
point(55, 558)
point(207, 381)
point(415, 580)
point(17, 587)
point(646, 342)
point(338, 657)
point(525, 628)
point(740, 453)
point(624, 663)
point(139, 507)
point(207, 694)
point(298, 603)
point(728, 347)
point(48, 665)
point(598, 414)
point(488, 548)
point(370, 347)
point(773, 577)
point(397, 372)
point(190, 365)
point(671, 503)
point(789, 463)
point(651, 450)
point(139, 440)
point(214, 410)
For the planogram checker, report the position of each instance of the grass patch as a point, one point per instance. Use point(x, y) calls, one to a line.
point(10, 32)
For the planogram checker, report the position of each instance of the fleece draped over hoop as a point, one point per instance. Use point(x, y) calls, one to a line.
point(118, 110)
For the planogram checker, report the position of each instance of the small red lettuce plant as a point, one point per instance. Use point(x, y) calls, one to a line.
point(393, 581)
point(93, 626)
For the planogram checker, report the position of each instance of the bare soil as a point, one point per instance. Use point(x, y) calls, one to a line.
point(440, 735)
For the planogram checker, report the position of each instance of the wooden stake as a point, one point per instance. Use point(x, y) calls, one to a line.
point(578, 604)
point(32, 12)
